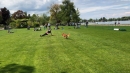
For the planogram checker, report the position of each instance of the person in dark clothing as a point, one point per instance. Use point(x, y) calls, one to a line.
point(49, 31)
point(86, 23)
point(28, 28)
point(115, 23)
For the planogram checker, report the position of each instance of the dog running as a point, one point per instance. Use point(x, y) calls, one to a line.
point(65, 35)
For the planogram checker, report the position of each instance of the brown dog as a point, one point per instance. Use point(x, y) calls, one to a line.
point(65, 35)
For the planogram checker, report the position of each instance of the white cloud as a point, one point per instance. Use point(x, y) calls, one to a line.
point(127, 13)
point(87, 8)
point(126, 7)
point(91, 9)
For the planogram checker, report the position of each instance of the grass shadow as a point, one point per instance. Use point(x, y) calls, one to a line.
point(16, 68)
point(1, 62)
point(69, 39)
point(63, 72)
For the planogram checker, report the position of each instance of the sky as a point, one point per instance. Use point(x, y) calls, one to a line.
point(94, 9)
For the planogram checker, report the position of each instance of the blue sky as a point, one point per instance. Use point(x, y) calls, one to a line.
point(88, 8)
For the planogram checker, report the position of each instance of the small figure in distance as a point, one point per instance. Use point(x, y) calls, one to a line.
point(115, 23)
point(86, 23)
point(9, 30)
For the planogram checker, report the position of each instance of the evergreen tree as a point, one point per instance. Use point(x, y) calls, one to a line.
point(5, 17)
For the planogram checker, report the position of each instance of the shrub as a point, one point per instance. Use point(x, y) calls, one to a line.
point(13, 24)
point(122, 29)
point(36, 24)
point(30, 24)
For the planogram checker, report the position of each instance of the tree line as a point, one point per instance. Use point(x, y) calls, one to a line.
point(103, 19)
point(59, 14)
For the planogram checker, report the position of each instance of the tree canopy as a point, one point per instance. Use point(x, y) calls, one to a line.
point(54, 12)
point(64, 13)
point(19, 14)
point(4, 17)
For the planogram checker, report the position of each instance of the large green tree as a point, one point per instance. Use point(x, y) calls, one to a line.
point(1, 17)
point(64, 13)
point(54, 13)
point(68, 12)
point(33, 18)
point(75, 16)
point(43, 19)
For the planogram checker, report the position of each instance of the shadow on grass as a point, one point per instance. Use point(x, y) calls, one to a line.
point(1, 62)
point(63, 72)
point(15, 68)
point(69, 39)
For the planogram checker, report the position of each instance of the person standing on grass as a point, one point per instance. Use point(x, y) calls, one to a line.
point(79, 25)
point(9, 30)
point(28, 28)
point(45, 26)
point(86, 23)
point(118, 23)
point(49, 26)
point(74, 25)
point(56, 27)
point(115, 23)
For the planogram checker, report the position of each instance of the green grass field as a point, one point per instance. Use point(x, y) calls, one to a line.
point(96, 49)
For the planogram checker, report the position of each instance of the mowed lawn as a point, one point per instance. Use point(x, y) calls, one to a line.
point(96, 49)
